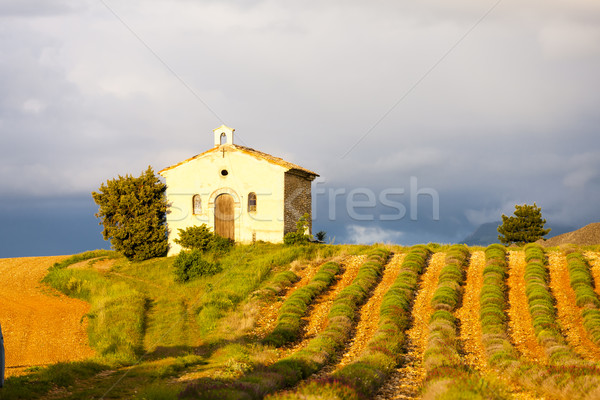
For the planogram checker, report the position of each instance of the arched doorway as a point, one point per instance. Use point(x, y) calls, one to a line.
point(225, 216)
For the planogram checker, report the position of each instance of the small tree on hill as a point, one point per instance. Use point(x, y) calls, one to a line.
point(526, 226)
point(133, 213)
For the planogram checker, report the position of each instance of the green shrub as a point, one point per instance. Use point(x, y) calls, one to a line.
point(299, 237)
point(203, 239)
point(445, 298)
point(279, 282)
point(195, 237)
point(295, 238)
point(189, 265)
point(221, 245)
point(443, 315)
point(534, 252)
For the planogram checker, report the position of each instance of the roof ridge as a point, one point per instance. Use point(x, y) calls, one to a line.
point(265, 156)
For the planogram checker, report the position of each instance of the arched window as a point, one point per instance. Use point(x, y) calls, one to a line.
point(223, 138)
point(251, 201)
point(196, 204)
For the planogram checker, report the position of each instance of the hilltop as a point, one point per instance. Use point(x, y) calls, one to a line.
point(589, 235)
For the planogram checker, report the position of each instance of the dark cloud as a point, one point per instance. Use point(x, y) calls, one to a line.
point(367, 95)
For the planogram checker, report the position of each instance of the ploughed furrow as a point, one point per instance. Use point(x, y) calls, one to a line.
point(470, 324)
point(407, 380)
point(568, 314)
point(593, 258)
point(318, 352)
point(40, 325)
point(520, 322)
point(317, 318)
point(267, 316)
point(369, 312)
point(500, 353)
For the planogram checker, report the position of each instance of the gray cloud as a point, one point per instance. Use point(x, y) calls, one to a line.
point(31, 8)
point(509, 116)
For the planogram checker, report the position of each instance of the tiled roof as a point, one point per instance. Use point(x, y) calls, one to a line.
point(274, 160)
point(247, 150)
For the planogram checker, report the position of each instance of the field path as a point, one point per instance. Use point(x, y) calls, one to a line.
point(406, 381)
point(40, 325)
point(568, 314)
point(520, 322)
point(470, 324)
point(369, 313)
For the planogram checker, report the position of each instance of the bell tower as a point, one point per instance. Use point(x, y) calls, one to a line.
point(223, 135)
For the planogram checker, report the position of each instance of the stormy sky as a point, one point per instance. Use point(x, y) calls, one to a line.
point(424, 120)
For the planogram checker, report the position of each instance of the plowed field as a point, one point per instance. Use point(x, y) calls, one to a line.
point(407, 381)
point(40, 325)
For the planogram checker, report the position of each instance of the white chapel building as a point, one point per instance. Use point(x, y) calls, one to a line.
point(241, 193)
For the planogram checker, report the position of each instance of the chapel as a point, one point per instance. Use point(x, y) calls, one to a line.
point(241, 193)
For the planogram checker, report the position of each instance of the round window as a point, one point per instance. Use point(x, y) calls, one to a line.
point(224, 172)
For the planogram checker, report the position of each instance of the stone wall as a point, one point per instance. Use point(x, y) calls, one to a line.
point(297, 197)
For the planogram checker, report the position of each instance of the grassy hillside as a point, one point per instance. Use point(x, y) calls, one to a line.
point(141, 316)
point(324, 321)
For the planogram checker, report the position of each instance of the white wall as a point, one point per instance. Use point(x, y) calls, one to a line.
point(246, 174)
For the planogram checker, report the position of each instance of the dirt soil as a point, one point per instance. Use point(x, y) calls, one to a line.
point(520, 323)
point(470, 332)
point(40, 325)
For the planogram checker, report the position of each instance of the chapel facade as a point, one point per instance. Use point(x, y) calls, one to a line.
point(240, 193)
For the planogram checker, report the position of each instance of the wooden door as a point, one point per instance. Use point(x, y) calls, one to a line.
point(224, 216)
